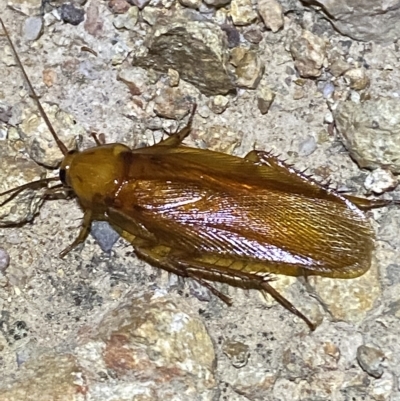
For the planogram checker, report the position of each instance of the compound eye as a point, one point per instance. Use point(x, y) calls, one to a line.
point(63, 176)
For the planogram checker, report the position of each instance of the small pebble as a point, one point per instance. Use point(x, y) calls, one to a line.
point(118, 6)
point(173, 77)
point(217, 3)
point(127, 20)
point(253, 35)
point(104, 234)
point(393, 273)
point(271, 13)
point(328, 90)
point(237, 352)
point(379, 181)
point(195, 4)
point(151, 14)
point(249, 67)
point(232, 35)
point(308, 52)
point(3, 132)
point(139, 3)
point(242, 12)
point(5, 113)
point(308, 146)
point(4, 260)
point(328, 118)
point(265, 98)
point(358, 78)
point(71, 14)
point(218, 104)
point(33, 28)
point(370, 360)
point(355, 97)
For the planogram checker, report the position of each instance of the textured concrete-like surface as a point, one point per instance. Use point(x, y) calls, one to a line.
point(262, 351)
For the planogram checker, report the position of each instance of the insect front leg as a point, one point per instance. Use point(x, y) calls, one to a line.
point(83, 233)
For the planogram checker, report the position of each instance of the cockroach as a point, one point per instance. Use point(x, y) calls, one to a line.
point(212, 216)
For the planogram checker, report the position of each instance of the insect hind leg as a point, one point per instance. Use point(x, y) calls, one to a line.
point(201, 271)
point(168, 263)
point(245, 280)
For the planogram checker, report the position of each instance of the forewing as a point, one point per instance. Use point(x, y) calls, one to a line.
point(257, 169)
point(253, 224)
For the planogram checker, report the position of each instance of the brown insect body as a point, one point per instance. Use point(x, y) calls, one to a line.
point(212, 216)
point(197, 201)
point(216, 217)
point(94, 174)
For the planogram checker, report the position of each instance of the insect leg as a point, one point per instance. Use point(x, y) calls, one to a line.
point(167, 263)
point(201, 271)
point(367, 204)
point(311, 291)
point(56, 192)
point(241, 279)
point(177, 138)
point(83, 233)
point(217, 293)
point(286, 304)
point(279, 167)
point(96, 139)
point(258, 156)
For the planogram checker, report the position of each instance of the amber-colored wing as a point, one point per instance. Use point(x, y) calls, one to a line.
point(252, 211)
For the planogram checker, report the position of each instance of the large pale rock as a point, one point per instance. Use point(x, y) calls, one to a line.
point(375, 20)
point(370, 131)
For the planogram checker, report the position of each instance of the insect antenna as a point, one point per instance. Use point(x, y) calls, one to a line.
point(61, 146)
point(33, 184)
point(42, 182)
